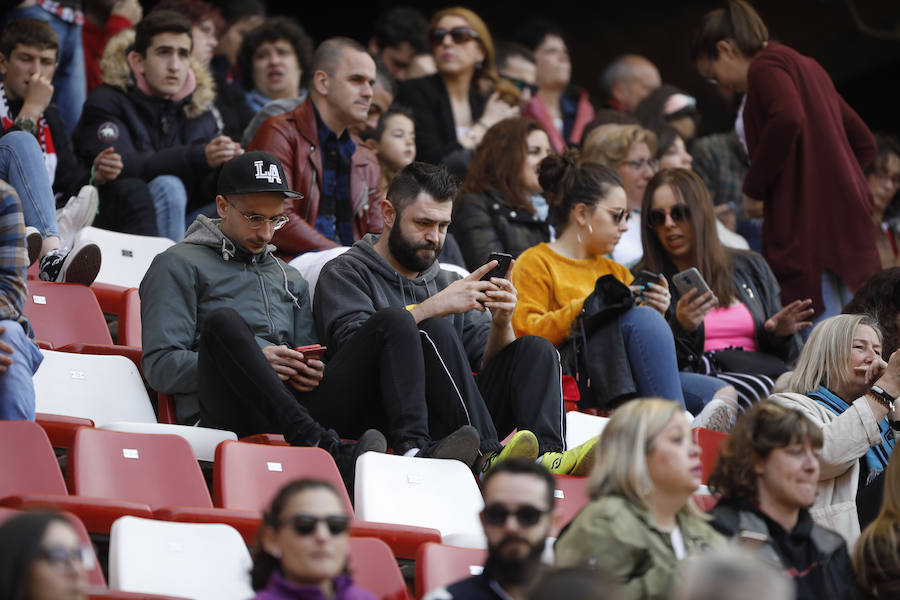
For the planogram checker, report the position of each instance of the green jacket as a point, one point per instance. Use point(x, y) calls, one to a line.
point(205, 272)
point(617, 535)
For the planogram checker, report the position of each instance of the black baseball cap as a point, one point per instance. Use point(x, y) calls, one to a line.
point(254, 172)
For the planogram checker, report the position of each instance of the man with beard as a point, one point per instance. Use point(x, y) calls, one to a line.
point(463, 325)
point(518, 512)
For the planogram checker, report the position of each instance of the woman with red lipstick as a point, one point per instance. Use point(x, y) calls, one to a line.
point(303, 544)
point(742, 309)
point(641, 520)
point(843, 386)
point(767, 475)
point(451, 111)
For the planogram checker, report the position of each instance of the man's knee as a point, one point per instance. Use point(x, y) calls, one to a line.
point(394, 318)
point(437, 327)
point(170, 187)
point(222, 323)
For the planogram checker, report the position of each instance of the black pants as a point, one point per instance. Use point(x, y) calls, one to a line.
point(126, 206)
point(413, 383)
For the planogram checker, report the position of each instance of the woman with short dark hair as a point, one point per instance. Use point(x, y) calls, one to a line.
point(275, 61)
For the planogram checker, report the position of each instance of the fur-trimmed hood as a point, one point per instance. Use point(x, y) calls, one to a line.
point(117, 74)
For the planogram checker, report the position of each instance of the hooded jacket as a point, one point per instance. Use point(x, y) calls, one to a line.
point(154, 136)
point(359, 282)
point(205, 272)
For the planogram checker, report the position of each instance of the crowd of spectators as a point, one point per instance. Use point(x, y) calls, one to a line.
point(407, 243)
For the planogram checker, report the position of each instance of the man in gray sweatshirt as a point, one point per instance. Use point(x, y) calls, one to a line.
point(463, 325)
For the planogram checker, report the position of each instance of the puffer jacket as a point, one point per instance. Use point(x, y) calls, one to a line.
point(154, 136)
point(293, 138)
point(205, 272)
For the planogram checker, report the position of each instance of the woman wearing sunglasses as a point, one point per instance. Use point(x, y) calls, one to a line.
point(41, 559)
point(303, 546)
point(632, 353)
point(742, 309)
point(500, 207)
point(807, 149)
point(451, 110)
point(641, 520)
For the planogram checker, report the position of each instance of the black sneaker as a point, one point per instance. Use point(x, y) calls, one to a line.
point(81, 265)
point(461, 445)
point(346, 453)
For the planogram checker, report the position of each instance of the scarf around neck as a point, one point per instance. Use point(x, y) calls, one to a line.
point(44, 136)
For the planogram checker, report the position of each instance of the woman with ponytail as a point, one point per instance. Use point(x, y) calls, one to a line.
point(808, 152)
point(450, 109)
point(632, 353)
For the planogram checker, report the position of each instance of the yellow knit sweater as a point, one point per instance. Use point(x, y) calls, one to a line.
point(551, 290)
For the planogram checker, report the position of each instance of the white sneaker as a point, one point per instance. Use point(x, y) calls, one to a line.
point(718, 415)
point(78, 212)
point(33, 241)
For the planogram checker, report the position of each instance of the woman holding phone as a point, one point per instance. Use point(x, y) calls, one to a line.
point(588, 207)
point(741, 308)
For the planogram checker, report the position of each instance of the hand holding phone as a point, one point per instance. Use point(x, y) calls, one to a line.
point(643, 279)
point(312, 352)
point(688, 280)
point(503, 259)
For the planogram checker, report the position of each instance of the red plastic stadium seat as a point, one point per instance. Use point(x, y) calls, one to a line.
point(571, 497)
point(125, 303)
point(709, 442)
point(247, 476)
point(375, 569)
point(158, 470)
point(439, 566)
point(65, 313)
point(61, 428)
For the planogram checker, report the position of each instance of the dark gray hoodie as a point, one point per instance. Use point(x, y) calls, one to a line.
point(359, 282)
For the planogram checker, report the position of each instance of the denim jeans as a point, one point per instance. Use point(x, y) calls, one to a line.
point(16, 385)
point(170, 202)
point(651, 355)
point(22, 166)
point(834, 295)
point(69, 80)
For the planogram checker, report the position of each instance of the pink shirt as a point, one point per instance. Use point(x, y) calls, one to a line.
point(732, 326)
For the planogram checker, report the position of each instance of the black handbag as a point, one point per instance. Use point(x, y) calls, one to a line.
point(737, 360)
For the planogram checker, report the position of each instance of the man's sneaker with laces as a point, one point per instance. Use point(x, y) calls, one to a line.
point(576, 461)
point(523, 444)
point(33, 241)
point(79, 212)
point(461, 445)
point(81, 265)
point(346, 453)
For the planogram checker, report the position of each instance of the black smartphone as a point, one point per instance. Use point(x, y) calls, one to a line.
point(689, 279)
point(502, 267)
point(645, 277)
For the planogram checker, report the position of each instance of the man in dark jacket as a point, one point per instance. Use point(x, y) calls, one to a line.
point(154, 109)
point(519, 380)
point(337, 174)
point(224, 320)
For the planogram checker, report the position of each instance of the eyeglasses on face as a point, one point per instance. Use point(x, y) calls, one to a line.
point(522, 85)
point(641, 163)
point(679, 213)
point(306, 524)
point(527, 515)
point(257, 221)
point(459, 35)
point(618, 214)
point(59, 556)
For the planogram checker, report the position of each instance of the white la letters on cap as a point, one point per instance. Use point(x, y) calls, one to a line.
point(271, 175)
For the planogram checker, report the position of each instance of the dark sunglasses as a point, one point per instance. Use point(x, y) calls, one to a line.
point(497, 514)
point(459, 35)
point(522, 85)
point(679, 213)
point(618, 214)
point(307, 524)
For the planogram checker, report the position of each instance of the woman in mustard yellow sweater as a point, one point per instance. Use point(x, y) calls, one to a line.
point(589, 210)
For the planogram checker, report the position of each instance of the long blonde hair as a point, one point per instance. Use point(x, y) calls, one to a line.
point(876, 556)
point(825, 357)
point(621, 467)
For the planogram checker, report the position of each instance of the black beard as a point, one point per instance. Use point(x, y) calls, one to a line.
point(406, 254)
point(513, 571)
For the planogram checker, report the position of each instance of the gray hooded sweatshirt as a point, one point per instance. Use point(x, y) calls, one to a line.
point(205, 272)
point(359, 282)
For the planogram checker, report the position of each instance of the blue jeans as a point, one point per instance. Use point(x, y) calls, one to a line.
point(69, 80)
point(22, 166)
point(835, 296)
point(16, 385)
point(170, 202)
point(651, 356)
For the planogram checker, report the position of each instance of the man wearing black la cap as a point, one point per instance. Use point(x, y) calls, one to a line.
point(221, 318)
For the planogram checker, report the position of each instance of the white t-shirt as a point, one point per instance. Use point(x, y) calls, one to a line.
point(678, 543)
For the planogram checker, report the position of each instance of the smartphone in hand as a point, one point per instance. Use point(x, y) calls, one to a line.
point(644, 278)
point(503, 259)
point(312, 352)
point(689, 279)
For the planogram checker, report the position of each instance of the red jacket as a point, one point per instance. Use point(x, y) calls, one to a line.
point(808, 150)
point(94, 40)
point(293, 138)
